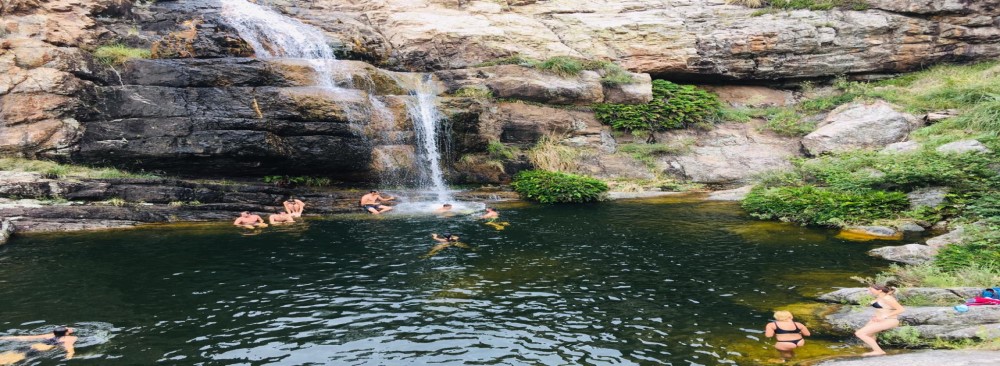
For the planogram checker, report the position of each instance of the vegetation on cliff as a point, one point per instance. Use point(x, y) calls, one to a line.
point(117, 54)
point(611, 73)
point(554, 187)
point(673, 106)
point(53, 170)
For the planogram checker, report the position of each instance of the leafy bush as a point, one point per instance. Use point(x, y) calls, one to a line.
point(117, 54)
point(813, 205)
point(862, 170)
point(295, 181)
point(562, 65)
point(554, 187)
point(499, 151)
point(673, 106)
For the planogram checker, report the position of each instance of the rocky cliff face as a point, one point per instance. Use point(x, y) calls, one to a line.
point(205, 108)
point(695, 39)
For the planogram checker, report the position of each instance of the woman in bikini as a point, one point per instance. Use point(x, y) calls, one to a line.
point(887, 311)
point(787, 333)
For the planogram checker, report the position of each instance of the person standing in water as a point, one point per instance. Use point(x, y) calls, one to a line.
point(788, 334)
point(249, 221)
point(492, 218)
point(371, 202)
point(60, 337)
point(281, 218)
point(887, 311)
point(491, 214)
point(294, 206)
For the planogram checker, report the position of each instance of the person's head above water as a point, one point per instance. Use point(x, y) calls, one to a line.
point(490, 209)
point(446, 205)
point(450, 237)
point(245, 213)
point(61, 331)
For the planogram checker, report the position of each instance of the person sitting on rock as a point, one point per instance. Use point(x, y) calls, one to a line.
point(60, 337)
point(281, 218)
point(249, 221)
point(371, 203)
point(294, 206)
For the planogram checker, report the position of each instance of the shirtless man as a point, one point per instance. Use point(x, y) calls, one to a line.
point(371, 202)
point(491, 214)
point(444, 210)
point(281, 218)
point(249, 221)
point(294, 206)
point(60, 337)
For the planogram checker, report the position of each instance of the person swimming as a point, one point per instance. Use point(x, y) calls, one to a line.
point(492, 218)
point(60, 337)
point(444, 241)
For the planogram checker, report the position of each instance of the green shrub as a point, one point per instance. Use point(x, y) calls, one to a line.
point(813, 205)
point(499, 151)
point(117, 54)
point(295, 181)
point(554, 187)
point(673, 106)
point(510, 60)
point(561, 65)
point(478, 92)
point(863, 170)
point(788, 122)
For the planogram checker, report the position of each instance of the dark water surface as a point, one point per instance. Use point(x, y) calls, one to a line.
point(656, 281)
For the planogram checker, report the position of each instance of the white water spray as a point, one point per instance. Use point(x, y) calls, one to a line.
point(424, 113)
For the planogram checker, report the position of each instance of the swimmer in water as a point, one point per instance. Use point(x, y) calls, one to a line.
point(444, 241)
point(60, 337)
point(445, 210)
point(492, 218)
point(787, 339)
point(249, 221)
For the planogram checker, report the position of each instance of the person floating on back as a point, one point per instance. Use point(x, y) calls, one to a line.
point(281, 217)
point(887, 311)
point(444, 241)
point(492, 218)
point(371, 203)
point(294, 206)
point(60, 337)
point(787, 333)
point(249, 221)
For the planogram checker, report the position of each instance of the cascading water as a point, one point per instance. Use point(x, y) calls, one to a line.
point(275, 36)
point(423, 111)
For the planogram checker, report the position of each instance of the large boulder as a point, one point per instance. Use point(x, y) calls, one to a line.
point(952, 237)
point(858, 295)
point(859, 126)
point(962, 357)
point(909, 253)
point(931, 322)
point(927, 197)
point(728, 155)
point(6, 230)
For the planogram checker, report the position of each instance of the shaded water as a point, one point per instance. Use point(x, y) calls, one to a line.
point(660, 281)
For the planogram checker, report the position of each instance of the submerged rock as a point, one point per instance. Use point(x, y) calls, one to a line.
point(859, 126)
point(865, 233)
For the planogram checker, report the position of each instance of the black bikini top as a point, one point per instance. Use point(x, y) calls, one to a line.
point(778, 330)
point(876, 305)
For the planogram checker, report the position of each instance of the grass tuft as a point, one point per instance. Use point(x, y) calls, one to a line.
point(118, 54)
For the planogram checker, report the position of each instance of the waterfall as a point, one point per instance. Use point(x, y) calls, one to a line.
point(275, 36)
point(423, 111)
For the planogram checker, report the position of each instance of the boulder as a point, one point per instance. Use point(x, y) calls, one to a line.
point(752, 96)
point(930, 322)
point(952, 237)
point(962, 147)
point(859, 126)
point(902, 147)
point(857, 295)
point(530, 84)
point(910, 227)
point(736, 194)
point(909, 253)
point(927, 197)
point(730, 154)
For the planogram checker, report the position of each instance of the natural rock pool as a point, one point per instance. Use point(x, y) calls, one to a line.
point(654, 281)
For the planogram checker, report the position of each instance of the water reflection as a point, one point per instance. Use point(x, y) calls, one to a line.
point(635, 282)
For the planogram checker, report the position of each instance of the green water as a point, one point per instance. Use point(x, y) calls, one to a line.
point(661, 281)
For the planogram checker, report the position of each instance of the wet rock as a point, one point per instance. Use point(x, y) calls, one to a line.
point(910, 227)
point(857, 295)
point(922, 358)
point(6, 230)
point(963, 146)
point(909, 253)
point(737, 194)
point(931, 322)
point(927, 197)
point(859, 126)
point(902, 147)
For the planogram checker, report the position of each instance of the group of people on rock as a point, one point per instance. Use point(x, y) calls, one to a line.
point(789, 334)
point(293, 208)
